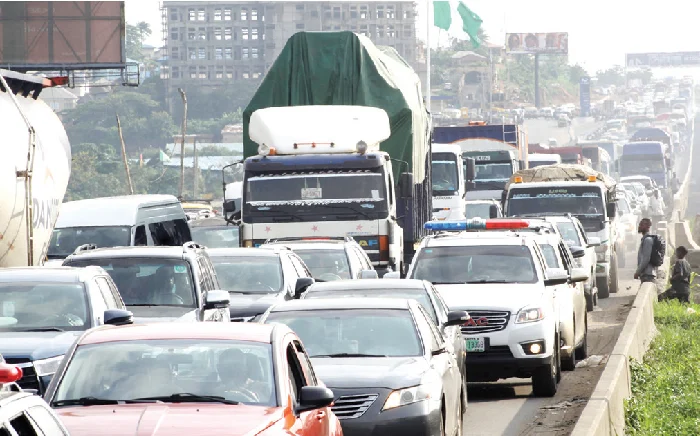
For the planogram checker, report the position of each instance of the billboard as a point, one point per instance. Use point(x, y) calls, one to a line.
point(677, 59)
point(532, 43)
point(585, 91)
point(41, 35)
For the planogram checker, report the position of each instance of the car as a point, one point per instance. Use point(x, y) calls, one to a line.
point(330, 258)
point(563, 120)
point(635, 202)
point(642, 197)
point(509, 292)
point(573, 316)
point(177, 379)
point(484, 209)
point(627, 222)
point(215, 232)
point(198, 210)
point(21, 412)
point(44, 309)
point(386, 362)
point(161, 284)
point(420, 290)
point(256, 278)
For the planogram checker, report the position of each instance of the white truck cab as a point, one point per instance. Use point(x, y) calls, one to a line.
point(448, 182)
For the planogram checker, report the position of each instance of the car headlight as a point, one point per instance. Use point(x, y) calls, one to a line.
point(406, 396)
point(47, 366)
point(529, 314)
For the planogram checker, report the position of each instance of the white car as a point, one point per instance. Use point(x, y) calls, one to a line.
point(509, 293)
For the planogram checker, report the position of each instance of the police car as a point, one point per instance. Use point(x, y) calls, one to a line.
point(22, 413)
point(502, 280)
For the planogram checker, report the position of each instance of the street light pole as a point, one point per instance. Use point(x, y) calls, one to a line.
point(182, 146)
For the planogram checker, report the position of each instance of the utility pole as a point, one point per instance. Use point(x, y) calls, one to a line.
point(126, 162)
point(182, 146)
point(537, 80)
point(195, 168)
point(490, 85)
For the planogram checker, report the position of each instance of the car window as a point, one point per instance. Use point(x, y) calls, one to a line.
point(568, 233)
point(169, 233)
point(442, 308)
point(326, 264)
point(4, 431)
point(64, 241)
point(296, 374)
point(550, 256)
point(299, 265)
point(44, 305)
point(305, 364)
point(45, 420)
point(140, 236)
point(436, 337)
point(250, 274)
point(23, 426)
point(106, 292)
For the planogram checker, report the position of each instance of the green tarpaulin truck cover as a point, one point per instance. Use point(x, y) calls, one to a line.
point(343, 68)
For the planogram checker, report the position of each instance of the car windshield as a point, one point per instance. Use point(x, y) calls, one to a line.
point(378, 332)
point(148, 282)
point(326, 264)
point(249, 274)
point(569, 234)
point(216, 237)
point(550, 256)
point(478, 210)
point(130, 370)
point(64, 241)
point(475, 264)
point(445, 175)
point(43, 306)
point(420, 295)
point(574, 200)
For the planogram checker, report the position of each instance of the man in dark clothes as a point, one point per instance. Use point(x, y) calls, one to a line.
point(680, 279)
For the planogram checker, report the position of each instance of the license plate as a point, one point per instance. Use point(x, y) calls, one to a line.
point(475, 345)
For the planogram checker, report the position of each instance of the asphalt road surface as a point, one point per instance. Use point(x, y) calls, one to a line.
point(540, 130)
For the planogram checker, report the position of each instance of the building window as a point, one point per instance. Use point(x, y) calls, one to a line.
point(300, 6)
point(256, 75)
point(246, 76)
point(244, 14)
point(173, 14)
point(227, 33)
point(364, 13)
point(191, 15)
point(364, 31)
point(336, 27)
point(193, 72)
point(380, 31)
point(203, 73)
point(380, 12)
point(217, 15)
point(219, 74)
point(390, 32)
point(228, 53)
point(300, 26)
point(390, 12)
point(254, 34)
point(191, 53)
point(175, 53)
point(406, 15)
point(326, 12)
point(314, 13)
point(326, 28)
point(245, 52)
point(201, 15)
point(353, 28)
point(254, 14)
point(227, 14)
point(336, 13)
point(244, 34)
point(217, 33)
point(218, 53)
point(202, 53)
point(229, 75)
point(254, 53)
point(191, 33)
point(173, 35)
point(353, 12)
point(202, 34)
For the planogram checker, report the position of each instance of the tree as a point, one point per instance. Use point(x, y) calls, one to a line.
point(135, 36)
point(576, 72)
point(612, 76)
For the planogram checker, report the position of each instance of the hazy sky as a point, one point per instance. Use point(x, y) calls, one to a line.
point(600, 31)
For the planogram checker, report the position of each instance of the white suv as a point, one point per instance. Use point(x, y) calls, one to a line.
point(502, 280)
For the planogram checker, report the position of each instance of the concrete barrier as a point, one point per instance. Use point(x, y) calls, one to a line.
point(680, 199)
point(604, 415)
point(683, 236)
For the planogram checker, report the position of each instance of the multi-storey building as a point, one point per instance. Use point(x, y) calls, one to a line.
point(212, 43)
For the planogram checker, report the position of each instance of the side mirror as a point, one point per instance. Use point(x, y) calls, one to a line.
point(577, 252)
point(368, 274)
point(230, 206)
point(611, 209)
point(392, 275)
point(456, 317)
point(217, 300)
point(493, 211)
point(405, 185)
point(118, 317)
point(593, 242)
point(556, 276)
point(301, 285)
point(314, 397)
point(470, 172)
point(579, 275)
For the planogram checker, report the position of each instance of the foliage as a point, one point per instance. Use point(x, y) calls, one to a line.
point(203, 104)
point(612, 76)
point(666, 386)
point(135, 35)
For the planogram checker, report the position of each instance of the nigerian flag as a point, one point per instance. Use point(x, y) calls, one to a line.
point(471, 22)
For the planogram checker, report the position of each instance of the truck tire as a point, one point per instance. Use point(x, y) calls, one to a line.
point(546, 378)
point(613, 274)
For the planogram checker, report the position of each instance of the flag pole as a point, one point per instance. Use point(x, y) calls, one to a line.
point(427, 58)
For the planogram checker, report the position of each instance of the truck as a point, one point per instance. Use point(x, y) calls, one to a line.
point(569, 155)
point(613, 150)
point(34, 170)
point(600, 159)
point(498, 150)
point(578, 190)
point(649, 158)
point(337, 143)
point(448, 179)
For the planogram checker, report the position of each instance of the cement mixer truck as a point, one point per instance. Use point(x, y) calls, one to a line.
point(34, 169)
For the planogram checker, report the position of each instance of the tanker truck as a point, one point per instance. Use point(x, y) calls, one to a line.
point(34, 169)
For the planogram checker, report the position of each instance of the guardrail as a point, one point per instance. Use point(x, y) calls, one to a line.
point(680, 200)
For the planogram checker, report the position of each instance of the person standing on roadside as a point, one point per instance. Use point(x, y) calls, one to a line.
point(646, 272)
point(656, 207)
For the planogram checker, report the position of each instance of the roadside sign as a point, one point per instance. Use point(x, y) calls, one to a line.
point(661, 60)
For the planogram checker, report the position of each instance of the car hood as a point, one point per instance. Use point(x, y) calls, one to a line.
point(36, 345)
point(168, 419)
point(246, 305)
point(490, 296)
point(155, 314)
point(370, 372)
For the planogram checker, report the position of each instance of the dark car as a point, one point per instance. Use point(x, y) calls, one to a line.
point(22, 413)
point(386, 362)
point(258, 278)
point(44, 309)
point(160, 284)
point(214, 232)
point(420, 290)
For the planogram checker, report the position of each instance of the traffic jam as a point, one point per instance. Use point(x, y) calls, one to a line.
point(350, 288)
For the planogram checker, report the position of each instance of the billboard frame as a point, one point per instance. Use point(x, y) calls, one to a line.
point(542, 38)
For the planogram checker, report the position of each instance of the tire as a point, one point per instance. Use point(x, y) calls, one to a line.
point(582, 350)
point(441, 431)
point(604, 289)
point(546, 378)
point(460, 417)
point(569, 363)
point(589, 302)
point(613, 275)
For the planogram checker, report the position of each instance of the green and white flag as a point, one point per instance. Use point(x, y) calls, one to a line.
point(471, 22)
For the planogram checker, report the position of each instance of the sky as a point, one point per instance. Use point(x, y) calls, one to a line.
point(600, 31)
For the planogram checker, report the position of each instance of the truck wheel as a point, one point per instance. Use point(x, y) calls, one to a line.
point(613, 274)
point(545, 378)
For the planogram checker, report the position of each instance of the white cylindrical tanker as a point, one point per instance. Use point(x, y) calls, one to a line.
point(44, 185)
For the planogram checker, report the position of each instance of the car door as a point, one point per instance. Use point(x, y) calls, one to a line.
point(323, 415)
point(311, 422)
point(452, 334)
point(578, 293)
point(98, 300)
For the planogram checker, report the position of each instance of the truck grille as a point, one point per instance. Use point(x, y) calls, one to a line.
point(353, 406)
point(486, 321)
point(29, 379)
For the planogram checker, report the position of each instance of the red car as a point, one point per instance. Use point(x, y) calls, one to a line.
point(189, 378)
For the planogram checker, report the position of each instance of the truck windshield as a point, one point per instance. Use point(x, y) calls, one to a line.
point(641, 164)
point(492, 176)
point(577, 200)
point(445, 174)
point(64, 241)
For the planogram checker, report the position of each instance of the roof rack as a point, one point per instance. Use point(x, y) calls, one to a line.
point(191, 245)
point(85, 247)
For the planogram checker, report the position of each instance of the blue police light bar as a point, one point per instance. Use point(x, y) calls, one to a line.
point(476, 224)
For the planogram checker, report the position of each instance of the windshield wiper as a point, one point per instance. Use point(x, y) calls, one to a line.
point(342, 206)
point(486, 281)
point(185, 397)
point(85, 401)
point(350, 355)
point(44, 329)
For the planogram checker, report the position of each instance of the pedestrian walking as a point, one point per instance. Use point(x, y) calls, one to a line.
point(680, 279)
point(646, 271)
point(656, 207)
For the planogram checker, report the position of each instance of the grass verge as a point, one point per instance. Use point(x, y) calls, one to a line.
point(666, 386)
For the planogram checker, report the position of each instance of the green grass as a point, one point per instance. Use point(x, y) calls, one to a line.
point(666, 386)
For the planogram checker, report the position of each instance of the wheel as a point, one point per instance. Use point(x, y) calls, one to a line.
point(442, 422)
point(460, 416)
point(613, 274)
point(569, 363)
point(589, 302)
point(582, 350)
point(546, 378)
point(604, 288)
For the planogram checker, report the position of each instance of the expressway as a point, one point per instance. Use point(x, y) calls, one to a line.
point(540, 130)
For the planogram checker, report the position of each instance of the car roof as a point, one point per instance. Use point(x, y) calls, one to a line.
point(242, 252)
point(344, 285)
point(46, 274)
point(211, 222)
point(140, 251)
point(479, 238)
point(342, 304)
point(308, 245)
point(172, 331)
point(109, 211)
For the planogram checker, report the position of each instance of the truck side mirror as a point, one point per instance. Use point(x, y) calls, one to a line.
point(611, 210)
point(470, 169)
point(406, 185)
point(230, 206)
point(493, 211)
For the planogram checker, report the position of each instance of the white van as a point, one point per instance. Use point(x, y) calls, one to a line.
point(118, 222)
point(541, 159)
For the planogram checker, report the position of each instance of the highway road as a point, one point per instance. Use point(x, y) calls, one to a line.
point(540, 130)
